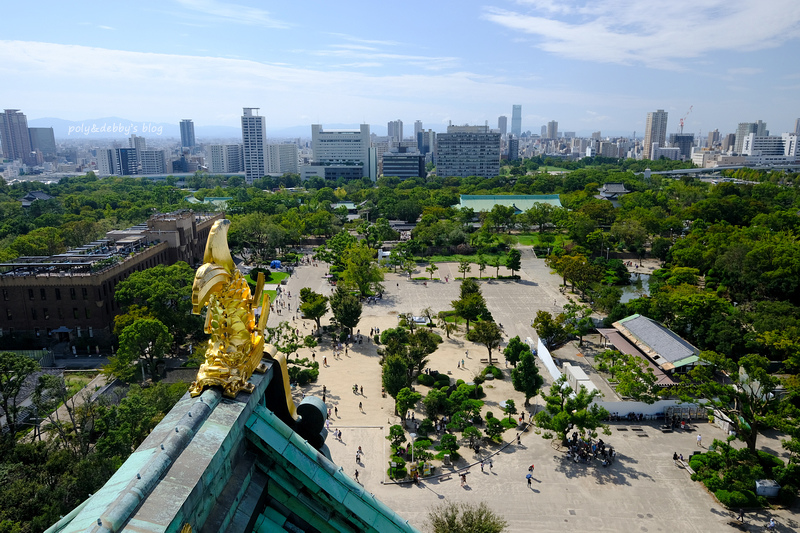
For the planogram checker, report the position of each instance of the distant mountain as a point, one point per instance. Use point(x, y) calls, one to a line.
point(117, 128)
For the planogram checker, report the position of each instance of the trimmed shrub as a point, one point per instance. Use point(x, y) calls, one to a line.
point(735, 499)
point(426, 427)
point(442, 380)
point(494, 371)
point(426, 379)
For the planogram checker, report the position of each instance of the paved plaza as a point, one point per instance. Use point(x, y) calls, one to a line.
point(642, 491)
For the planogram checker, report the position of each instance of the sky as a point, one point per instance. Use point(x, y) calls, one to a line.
point(592, 65)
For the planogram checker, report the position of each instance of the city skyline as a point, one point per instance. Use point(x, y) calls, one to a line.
point(589, 66)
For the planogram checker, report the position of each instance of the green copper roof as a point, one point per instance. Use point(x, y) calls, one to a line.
point(523, 202)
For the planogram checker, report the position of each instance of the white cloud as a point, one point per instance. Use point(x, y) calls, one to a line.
point(251, 16)
point(96, 82)
point(745, 71)
point(657, 34)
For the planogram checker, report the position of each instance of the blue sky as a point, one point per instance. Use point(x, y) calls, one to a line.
point(590, 65)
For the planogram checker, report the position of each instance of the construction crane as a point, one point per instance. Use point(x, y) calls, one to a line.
point(684, 117)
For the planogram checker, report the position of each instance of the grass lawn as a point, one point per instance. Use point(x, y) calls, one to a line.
point(456, 258)
point(552, 169)
point(274, 277)
point(75, 381)
point(532, 239)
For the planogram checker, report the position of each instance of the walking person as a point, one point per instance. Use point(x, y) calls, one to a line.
point(361, 407)
point(741, 515)
point(699, 440)
point(529, 482)
point(336, 411)
point(481, 466)
point(356, 475)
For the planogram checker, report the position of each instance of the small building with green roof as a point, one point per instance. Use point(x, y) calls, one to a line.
point(520, 202)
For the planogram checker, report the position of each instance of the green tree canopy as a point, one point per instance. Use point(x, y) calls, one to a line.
point(514, 350)
point(487, 333)
point(361, 272)
point(14, 371)
point(147, 339)
point(346, 308)
point(313, 305)
point(563, 408)
point(525, 376)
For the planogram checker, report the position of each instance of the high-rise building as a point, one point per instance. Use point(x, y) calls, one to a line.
point(426, 141)
point(728, 142)
point(139, 144)
point(513, 148)
point(187, 133)
point(713, 138)
point(283, 158)
point(552, 129)
point(395, 130)
point(14, 138)
point(468, 151)
point(502, 124)
point(742, 131)
point(516, 120)
point(761, 129)
point(226, 158)
point(655, 131)
point(767, 149)
point(118, 161)
point(543, 132)
point(43, 140)
point(346, 148)
point(797, 127)
point(254, 144)
point(152, 161)
point(417, 128)
point(683, 142)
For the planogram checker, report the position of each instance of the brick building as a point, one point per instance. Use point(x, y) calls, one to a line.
point(71, 295)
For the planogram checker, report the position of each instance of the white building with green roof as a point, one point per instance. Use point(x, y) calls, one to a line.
point(521, 202)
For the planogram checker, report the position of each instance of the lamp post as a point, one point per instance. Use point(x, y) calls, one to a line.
point(607, 251)
point(413, 436)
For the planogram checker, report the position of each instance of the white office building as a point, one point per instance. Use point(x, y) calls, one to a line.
point(283, 158)
point(344, 148)
point(254, 144)
point(770, 149)
point(152, 161)
point(226, 158)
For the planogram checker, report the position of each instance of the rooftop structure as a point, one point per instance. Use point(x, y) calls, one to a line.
point(468, 151)
point(75, 289)
point(664, 350)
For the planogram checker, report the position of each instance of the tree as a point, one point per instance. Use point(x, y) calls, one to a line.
point(74, 432)
point(514, 261)
point(405, 400)
point(431, 269)
point(15, 369)
point(449, 444)
point(447, 326)
point(577, 320)
point(166, 291)
point(464, 267)
point(465, 518)
point(748, 400)
point(360, 271)
point(148, 339)
point(510, 409)
point(334, 250)
point(525, 377)
point(565, 408)
point(435, 403)
point(550, 330)
point(408, 266)
point(514, 350)
point(494, 428)
point(470, 308)
point(473, 434)
point(346, 308)
point(285, 338)
point(481, 265)
point(313, 305)
point(539, 215)
point(496, 263)
point(397, 436)
point(393, 374)
point(635, 379)
point(487, 333)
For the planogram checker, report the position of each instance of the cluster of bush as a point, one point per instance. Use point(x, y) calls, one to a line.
point(303, 371)
point(435, 380)
point(731, 475)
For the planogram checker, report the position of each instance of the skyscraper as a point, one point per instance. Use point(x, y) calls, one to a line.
point(14, 138)
point(395, 128)
point(742, 131)
point(516, 120)
point(139, 144)
point(502, 124)
point(44, 140)
point(468, 151)
point(655, 131)
point(187, 133)
point(713, 138)
point(797, 127)
point(552, 129)
point(254, 142)
point(417, 128)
